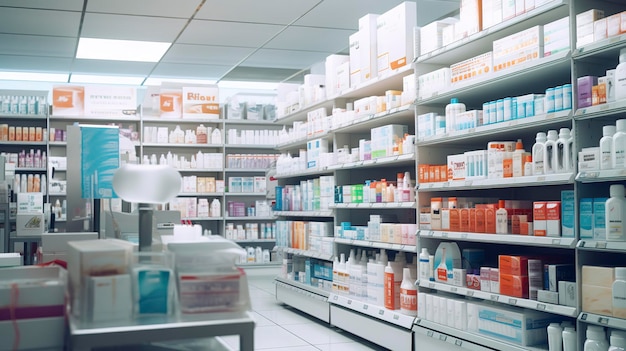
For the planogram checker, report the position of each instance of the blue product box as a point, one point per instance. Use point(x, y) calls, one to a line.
point(568, 218)
point(599, 218)
point(586, 218)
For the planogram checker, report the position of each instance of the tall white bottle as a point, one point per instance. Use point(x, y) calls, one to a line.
point(620, 76)
point(570, 340)
point(618, 340)
point(538, 154)
point(618, 294)
point(555, 337)
point(615, 210)
point(596, 339)
point(564, 157)
point(408, 294)
point(619, 144)
point(549, 154)
point(424, 265)
point(606, 147)
point(452, 109)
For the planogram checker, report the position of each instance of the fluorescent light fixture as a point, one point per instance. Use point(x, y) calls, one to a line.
point(34, 76)
point(120, 80)
point(159, 81)
point(227, 84)
point(121, 50)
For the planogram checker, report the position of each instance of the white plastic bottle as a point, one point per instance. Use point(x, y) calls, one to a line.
point(620, 76)
point(424, 265)
point(555, 337)
point(618, 294)
point(408, 294)
point(538, 152)
point(615, 209)
point(570, 339)
point(502, 223)
point(619, 144)
point(618, 340)
point(596, 339)
point(452, 109)
point(606, 147)
point(215, 208)
point(390, 288)
point(564, 151)
point(549, 154)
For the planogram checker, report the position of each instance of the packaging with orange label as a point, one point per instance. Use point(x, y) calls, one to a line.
point(540, 217)
point(514, 285)
point(455, 220)
point(515, 265)
point(465, 219)
point(553, 218)
point(490, 219)
point(479, 219)
point(201, 102)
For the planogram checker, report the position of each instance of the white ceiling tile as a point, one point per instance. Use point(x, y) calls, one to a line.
point(35, 63)
point(190, 71)
point(313, 39)
point(228, 33)
point(266, 11)
point(112, 67)
point(31, 45)
point(69, 5)
point(284, 58)
point(160, 8)
point(344, 14)
point(39, 22)
point(131, 27)
point(207, 55)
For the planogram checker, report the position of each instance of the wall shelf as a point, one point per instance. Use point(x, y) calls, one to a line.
point(509, 239)
point(490, 183)
point(306, 253)
point(376, 244)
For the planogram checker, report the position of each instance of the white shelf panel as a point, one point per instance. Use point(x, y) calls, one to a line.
point(377, 162)
point(30, 169)
point(489, 183)
point(292, 144)
point(491, 343)
point(203, 218)
point(362, 124)
point(250, 146)
point(57, 194)
point(306, 253)
point(156, 119)
point(610, 108)
point(377, 312)
point(252, 122)
point(302, 286)
point(57, 143)
point(250, 218)
point(480, 42)
point(321, 213)
point(605, 321)
point(497, 128)
point(259, 265)
point(503, 299)
point(247, 170)
point(99, 119)
point(200, 194)
point(604, 175)
point(252, 241)
point(509, 239)
point(602, 245)
point(311, 172)
point(378, 205)
point(300, 115)
point(23, 143)
point(608, 44)
point(376, 244)
point(421, 332)
point(391, 80)
point(22, 116)
point(244, 194)
point(200, 170)
point(178, 145)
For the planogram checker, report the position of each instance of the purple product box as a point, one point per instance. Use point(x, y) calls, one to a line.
point(585, 84)
point(236, 209)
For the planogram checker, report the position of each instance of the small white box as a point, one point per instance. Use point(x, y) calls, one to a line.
point(29, 202)
point(368, 53)
point(260, 184)
point(548, 296)
point(109, 298)
point(456, 167)
point(10, 259)
point(394, 37)
point(567, 293)
point(235, 184)
point(29, 224)
point(589, 159)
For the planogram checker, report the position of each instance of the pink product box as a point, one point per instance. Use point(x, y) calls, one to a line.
point(236, 209)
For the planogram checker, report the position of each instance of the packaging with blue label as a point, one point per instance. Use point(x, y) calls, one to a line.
point(568, 218)
point(599, 218)
point(586, 218)
point(153, 295)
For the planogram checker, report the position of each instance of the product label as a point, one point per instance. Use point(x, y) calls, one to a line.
point(408, 299)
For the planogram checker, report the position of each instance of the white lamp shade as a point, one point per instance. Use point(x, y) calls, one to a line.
point(152, 184)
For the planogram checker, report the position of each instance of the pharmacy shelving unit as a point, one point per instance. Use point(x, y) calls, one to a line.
point(388, 328)
point(595, 59)
point(530, 77)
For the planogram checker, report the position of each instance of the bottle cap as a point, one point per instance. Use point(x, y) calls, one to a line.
point(501, 204)
point(595, 332)
point(618, 338)
point(616, 190)
point(564, 131)
point(553, 135)
point(608, 130)
point(528, 158)
point(620, 124)
point(620, 273)
point(424, 251)
point(519, 145)
point(541, 136)
point(454, 101)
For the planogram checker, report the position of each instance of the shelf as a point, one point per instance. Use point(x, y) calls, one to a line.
point(503, 299)
point(307, 253)
point(405, 159)
point(481, 42)
point(307, 287)
point(508, 239)
point(22, 116)
point(605, 175)
point(259, 265)
point(378, 312)
point(245, 194)
point(23, 143)
point(514, 80)
point(200, 170)
point(301, 114)
point(492, 183)
point(542, 122)
point(252, 122)
point(605, 321)
point(203, 218)
point(421, 332)
point(610, 45)
point(320, 213)
point(250, 218)
point(246, 170)
point(399, 115)
point(602, 245)
point(377, 86)
point(302, 141)
point(30, 169)
point(180, 120)
point(200, 194)
point(376, 244)
point(178, 145)
point(374, 205)
point(252, 241)
point(57, 143)
point(57, 194)
point(611, 108)
point(308, 172)
point(446, 332)
point(105, 119)
point(249, 146)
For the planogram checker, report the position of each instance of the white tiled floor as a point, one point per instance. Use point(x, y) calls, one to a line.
point(281, 328)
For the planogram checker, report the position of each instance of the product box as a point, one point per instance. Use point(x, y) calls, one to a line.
point(513, 265)
point(355, 58)
point(235, 184)
point(494, 280)
point(491, 13)
point(568, 215)
point(553, 218)
point(585, 87)
point(475, 67)
point(433, 82)
point(330, 65)
point(29, 224)
point(540, 216)
point(447, 258)
point(548, 296)
point(394, 37)
point(556, 36)
point(518, 48)
point(613, 25)
point(514, 285)
point(431, 35)
point(426, 125)
point(567, 293)
point(470, 18)
point(597, 290)
point(201, 102)
point(599, 218)
point(600, 29)
point(485, 279)
point(560, 272)
point(515, 325)
point(368, 47)
point(585, 26)
point(456, 167)
point(314, 148)
point(109, 298)
point(383, 139)
point(586, 218)
point(535, 277)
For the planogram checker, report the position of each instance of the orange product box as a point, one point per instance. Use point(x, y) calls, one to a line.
point(431, 174)
point(465, 220)
point(515, 265)
point(479, 218)
point(595, 98)
point(436, 176)
point(622, 25)
point(455, 220)
point(507, 167)
point(540, 218)
point(472, 281)
point(553, 218)
point(472, 220)
point(514, 285)
point(490, 220)
point(443, 173)
point(602, 93)
point(423, 174)
point(526, 228)
point(516, 223)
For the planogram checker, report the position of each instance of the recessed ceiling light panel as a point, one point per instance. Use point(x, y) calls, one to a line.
point(120, 80)
point(121, 50)
point(34, 76)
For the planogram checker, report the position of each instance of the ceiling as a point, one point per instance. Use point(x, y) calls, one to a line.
point(252, 40)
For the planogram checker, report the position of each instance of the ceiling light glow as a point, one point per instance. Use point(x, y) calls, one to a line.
point(120, 80)
point(34, 76)
point(156, 81)
point(227, 84)
point(121, 50)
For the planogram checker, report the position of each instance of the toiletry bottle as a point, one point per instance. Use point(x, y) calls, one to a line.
point(555, 337)
point(442, 268)
point(596, 339)
point(215, 208)
point(538, 154)
point(424, 265)
point(502, 222)
point(615, 209)
point(408, 294)
point(570, 339)
point(619, 144)
point(528, 165)
point(606, 147)
point(549, 154)
point(564, 151)
point(620, 76)
point(390, 288)
point(619, 293)
point(216, 136)
point(618, 340)
point(452, 109)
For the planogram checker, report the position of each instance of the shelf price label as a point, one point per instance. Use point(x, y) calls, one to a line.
point(603, 320)
point(349, 302)
point(470, 293)
point(335, 298)
point(443, 337)
point(454, 289)
point(583, 317)
point(430, 333)
point(513, 302)
point(601, 245)
point(431, 285)
point(458, 342)
point(381, 312)
point(495, 297)
point(396, 317)
point(541, 306)
point(365, 307)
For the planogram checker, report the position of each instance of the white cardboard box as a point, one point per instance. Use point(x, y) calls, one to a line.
point(394, 37)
